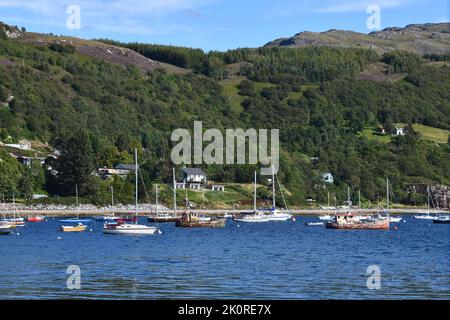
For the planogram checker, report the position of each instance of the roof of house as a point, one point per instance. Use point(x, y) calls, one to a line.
point(193, 171)
point(122, 166)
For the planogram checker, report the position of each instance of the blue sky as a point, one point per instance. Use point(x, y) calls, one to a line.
point(214, 24)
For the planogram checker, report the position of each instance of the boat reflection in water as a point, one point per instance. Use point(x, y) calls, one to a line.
point(351, 221)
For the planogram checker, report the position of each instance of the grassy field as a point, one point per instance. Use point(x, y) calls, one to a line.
point(432, 134)
point(371, 134)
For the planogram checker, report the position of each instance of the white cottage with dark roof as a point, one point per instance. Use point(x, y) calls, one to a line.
point(194, 175)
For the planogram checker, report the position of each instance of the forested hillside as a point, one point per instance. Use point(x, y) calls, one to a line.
point(314, 95)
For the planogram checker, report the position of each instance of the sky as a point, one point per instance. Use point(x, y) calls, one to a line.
point(212, 24)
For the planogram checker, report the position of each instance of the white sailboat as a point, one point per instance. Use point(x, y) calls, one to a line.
point(276, 215)
point(130, 228)
point(387, 216)
point(255, 216)
point(427, 216)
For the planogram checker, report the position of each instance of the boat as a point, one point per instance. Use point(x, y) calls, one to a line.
point(348, 221)
point(326, 217)
point(16, 219)
point(77, 219)
point(76, 228)
point(254, 216)
point(6, 228)
point(161, 217)
point(427, 216)
point(387, 216)
point(314, 223)
point(35, 219)
point(193, 220)
point(118, 227)
point(275, 214)
point(442, 220)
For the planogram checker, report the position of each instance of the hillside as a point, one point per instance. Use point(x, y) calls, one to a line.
point(97, 100)
point(418, 38)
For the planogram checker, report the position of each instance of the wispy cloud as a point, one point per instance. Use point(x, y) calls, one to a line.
point(118, 16)
point(358, 5)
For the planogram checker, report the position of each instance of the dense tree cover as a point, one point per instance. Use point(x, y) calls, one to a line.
point(401, 61)
point(79, 103)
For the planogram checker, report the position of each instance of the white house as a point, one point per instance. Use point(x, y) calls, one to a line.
point(193, 175)
point(399, 132)
point(327, 177)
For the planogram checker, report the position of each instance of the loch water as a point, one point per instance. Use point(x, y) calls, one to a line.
point(279, 260)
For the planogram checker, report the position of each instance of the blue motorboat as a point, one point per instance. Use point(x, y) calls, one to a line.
point(75, 220)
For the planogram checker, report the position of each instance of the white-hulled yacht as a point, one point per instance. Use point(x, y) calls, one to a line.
point(276, 215)
point(130, 228)
point(426, 216)
point(255, 216)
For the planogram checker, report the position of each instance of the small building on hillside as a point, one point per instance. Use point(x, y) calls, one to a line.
point(180, 185)
point(218, 187)
point(121, 170)
point(399, 131)
point(327, 177)
point(381, 130)
point(194, 175)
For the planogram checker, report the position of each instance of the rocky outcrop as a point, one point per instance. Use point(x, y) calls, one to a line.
point(10, 32)
point(440, 194)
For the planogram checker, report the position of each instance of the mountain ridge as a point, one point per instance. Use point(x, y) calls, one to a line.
point(421, 39)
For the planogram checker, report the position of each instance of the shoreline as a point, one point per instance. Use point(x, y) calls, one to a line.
point(295, 212)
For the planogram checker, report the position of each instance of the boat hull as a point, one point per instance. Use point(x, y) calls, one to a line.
point(73, 229)
point(425, 217)
point(142, 231)
point(35, 219)
point(383, 225)
point(75, 221)
point(219, 223)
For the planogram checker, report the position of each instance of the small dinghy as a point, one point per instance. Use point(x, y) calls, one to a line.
point(314, 224)
point(78, 228)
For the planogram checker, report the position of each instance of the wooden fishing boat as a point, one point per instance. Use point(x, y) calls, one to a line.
point(350, 221)
point(78, 228)
point(192, 220)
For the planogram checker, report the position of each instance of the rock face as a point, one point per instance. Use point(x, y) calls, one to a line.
point(440, 194)
point(10, 32)
point(418, 38)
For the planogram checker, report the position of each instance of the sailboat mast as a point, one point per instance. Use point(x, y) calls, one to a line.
point(349, 201)
point(156, 196)
point(136, 178)
point(387, 193)
point(76, 194)
point(428, 199)
point(112, 196)
point(254, 194)
point(174, 194)
point(273, 188)
point(359, 198)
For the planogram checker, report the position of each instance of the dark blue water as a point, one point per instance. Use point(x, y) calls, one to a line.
point(283, 260)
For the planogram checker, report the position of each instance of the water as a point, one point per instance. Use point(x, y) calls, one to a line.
point(282, 260)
